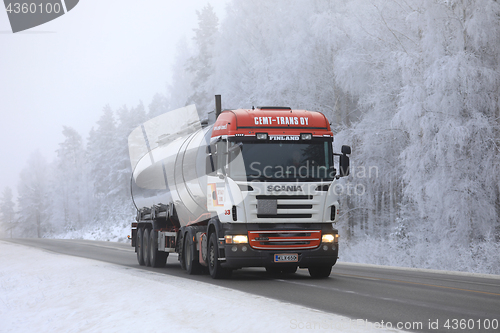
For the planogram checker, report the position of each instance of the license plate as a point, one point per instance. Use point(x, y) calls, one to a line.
point(288, 257)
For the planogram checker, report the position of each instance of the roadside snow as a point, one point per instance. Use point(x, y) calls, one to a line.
point(109, 232)
point(47, 292)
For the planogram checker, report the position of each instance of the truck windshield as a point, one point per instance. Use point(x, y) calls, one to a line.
point(281, 161)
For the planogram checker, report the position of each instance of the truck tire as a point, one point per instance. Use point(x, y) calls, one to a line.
point(156, 258)
point(180, 243)
point(214, 267)
point(138, 246)
point(145, 247)
point(190, 261)
point(320, 272)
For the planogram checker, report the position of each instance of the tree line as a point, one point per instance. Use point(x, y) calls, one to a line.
point(412, 86)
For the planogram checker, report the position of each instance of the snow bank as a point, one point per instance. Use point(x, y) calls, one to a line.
point(443, 255)
point(108, 232)
point(49, 292)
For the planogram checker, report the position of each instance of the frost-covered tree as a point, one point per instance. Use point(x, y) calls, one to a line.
point(158, 106)
point(279, 53)
point(110, 164)
point(449, 107)
point(365, 66)
point(427, 77)
point(201, 64)
point(257, 55)
point(34, 201)
point(179, 90)
point(128, 120)
point(412, 86)
point(102, 149)
point(7, 211)
point(71, 197)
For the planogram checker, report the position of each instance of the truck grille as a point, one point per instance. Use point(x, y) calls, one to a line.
point(285, 207)
point(284, 239)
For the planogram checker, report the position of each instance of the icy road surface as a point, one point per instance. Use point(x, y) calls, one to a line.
point(47, 292)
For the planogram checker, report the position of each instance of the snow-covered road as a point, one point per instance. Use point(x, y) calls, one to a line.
point(47, 292)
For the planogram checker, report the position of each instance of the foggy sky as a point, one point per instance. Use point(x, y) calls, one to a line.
point(65, 71)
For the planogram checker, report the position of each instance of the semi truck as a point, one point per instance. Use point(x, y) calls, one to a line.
point(250, 188)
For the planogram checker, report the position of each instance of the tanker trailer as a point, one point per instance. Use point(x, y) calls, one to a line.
point(253, 189)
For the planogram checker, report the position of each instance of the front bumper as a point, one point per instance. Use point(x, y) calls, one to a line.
point(260, 258)
point(243, 255)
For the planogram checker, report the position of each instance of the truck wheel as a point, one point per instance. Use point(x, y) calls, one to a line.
point(214, 268)
point(320, 272)
point(181, 251)
point(156, 258)
point(145, 247)
point(190, 262)
point(138, 247)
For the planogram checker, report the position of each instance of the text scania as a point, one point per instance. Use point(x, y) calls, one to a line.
point(281, 121)
point(289, 188)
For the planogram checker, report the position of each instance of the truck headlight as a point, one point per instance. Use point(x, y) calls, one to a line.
point(236, 239)
point(328, 238)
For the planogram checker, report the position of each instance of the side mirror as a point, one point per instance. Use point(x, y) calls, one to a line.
point(344, 164)
point(346, 150)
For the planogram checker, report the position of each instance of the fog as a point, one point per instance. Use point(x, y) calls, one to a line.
point(412, 86)
point(65, 71)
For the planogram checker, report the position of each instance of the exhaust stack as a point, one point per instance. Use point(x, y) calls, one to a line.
point(218, 106)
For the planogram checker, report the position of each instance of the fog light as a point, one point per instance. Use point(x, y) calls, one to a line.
point(334, 248)
point(240, 239)
point(244, 249)
point(234, 248)
point(327, 238)
point(236, 239)
point(325, 247)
